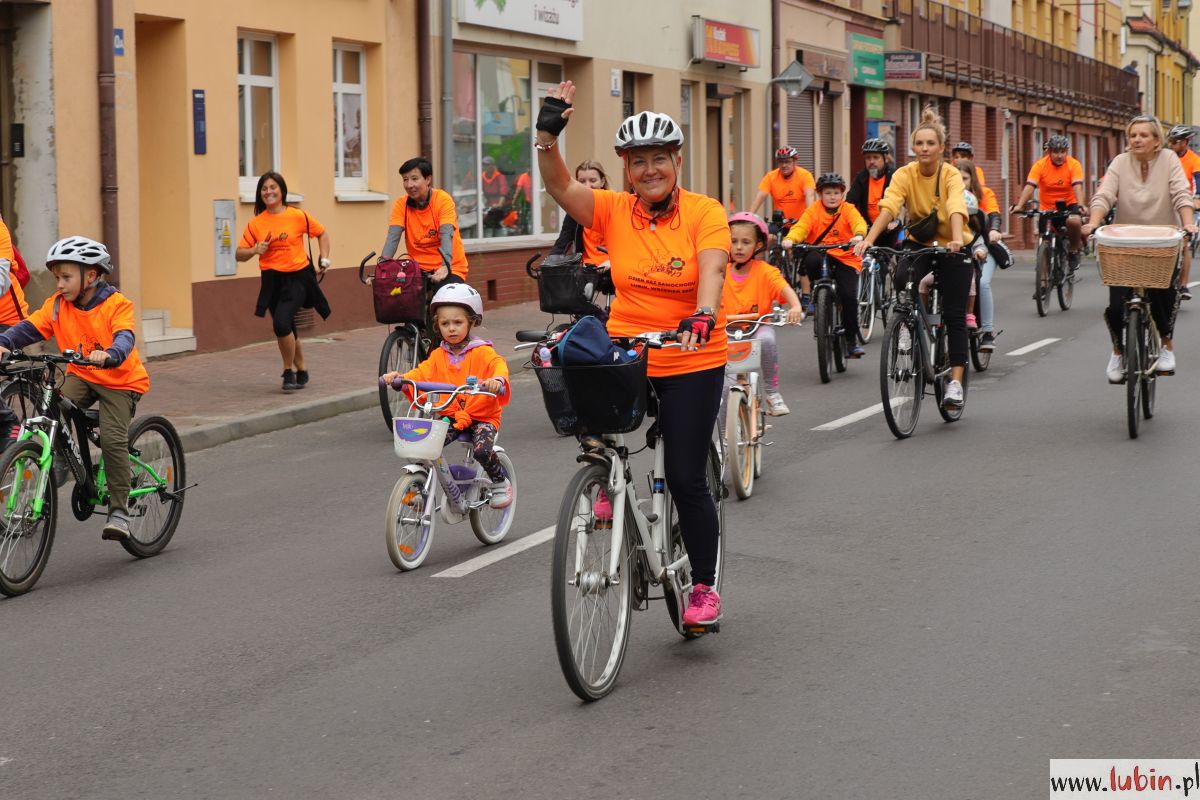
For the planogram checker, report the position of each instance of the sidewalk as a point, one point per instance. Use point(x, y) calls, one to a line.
point(214, 398)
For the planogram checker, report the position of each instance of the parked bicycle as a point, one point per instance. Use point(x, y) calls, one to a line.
point(407, 344)
point(57, 433)
point(1055, 269)
point(746, 406)
point(828, 328)
point(432, 486)
point(915, 351)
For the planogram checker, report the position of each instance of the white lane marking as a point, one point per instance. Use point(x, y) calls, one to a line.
point(498, 554)
point(1029, 348)
point(4, 760)
point(858, 415)
point(1193, 283)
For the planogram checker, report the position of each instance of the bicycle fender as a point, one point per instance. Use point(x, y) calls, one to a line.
point(415, 469)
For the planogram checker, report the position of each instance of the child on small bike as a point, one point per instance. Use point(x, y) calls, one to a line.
point(832, 221)
point(752, 288)
point(456, 308)
point(90, 316)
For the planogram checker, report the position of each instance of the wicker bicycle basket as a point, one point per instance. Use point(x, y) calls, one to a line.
point(1142, 256)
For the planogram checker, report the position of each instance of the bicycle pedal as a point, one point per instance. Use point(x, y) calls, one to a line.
point(702, 629)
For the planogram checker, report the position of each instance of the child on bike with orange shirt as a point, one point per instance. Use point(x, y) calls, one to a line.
point(752, 288)
point(456, 308)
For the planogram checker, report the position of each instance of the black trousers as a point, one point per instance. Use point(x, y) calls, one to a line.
point(954, 283)
point(687, 412)
point(1163, 305)
point(846, 279)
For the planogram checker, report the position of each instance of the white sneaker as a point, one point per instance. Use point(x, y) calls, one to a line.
point(954, 395)
point(502, 494)
point(904, 340)
point(1116, 368)
point(1166, 362)
point(775, 405)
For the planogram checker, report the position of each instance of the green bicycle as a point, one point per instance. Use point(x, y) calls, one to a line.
point(32, 469)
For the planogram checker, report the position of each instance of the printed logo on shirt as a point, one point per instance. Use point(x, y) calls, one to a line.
point(281, 236)
point(790, 193)
point(673, 267)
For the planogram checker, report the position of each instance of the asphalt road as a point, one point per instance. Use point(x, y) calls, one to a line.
point(933, 618)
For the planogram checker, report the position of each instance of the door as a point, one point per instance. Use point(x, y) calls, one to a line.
point(713, 186)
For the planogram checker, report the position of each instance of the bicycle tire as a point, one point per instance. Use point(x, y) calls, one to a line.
point(941, 360)
point(675, 546)
point(1041, 288)
point(400, 353)
point(21, 398)
point(739, 448)
point(760, 417)
point(824, 331)
point(1151, 346)
point(34, 537)
point(866, 307)
point(154, 517)
point(1133, 371)
point(408, 539)
point(578, 666)
point(491, 525)
point(980, 359)
point(901, 377)
point(1066, 287)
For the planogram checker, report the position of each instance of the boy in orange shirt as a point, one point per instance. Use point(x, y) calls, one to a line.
point(752, 288)
point(830, 222)
point(90, 316)
point(456, 308)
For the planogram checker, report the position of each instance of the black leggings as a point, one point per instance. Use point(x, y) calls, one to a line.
point(1163, 305)
point(954, 283)
point(290, 300)
point(846, 279)
point(687, 412)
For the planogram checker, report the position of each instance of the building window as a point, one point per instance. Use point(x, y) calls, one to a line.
point(349, 118)
point(914, 117)
point(494, 180)
point(258, 107)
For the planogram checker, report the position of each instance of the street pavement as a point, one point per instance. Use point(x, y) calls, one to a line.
point(932, 618)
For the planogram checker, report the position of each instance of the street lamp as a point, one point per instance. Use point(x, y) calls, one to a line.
point(795, 79)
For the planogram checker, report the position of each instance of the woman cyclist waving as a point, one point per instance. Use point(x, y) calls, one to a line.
point(668, 248)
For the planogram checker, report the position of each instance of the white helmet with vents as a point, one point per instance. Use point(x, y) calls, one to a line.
point(648, 129)
point(458, 294)
point(80, 250)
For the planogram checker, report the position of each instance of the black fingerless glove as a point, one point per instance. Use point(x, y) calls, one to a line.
point(699, 324)
point(550, 116)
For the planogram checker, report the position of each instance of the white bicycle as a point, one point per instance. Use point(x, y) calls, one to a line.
point(430, 486)
point(745, 403)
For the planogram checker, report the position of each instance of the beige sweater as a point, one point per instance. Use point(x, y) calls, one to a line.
point(1155, 201)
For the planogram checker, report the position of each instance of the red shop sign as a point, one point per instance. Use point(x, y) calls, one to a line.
point(724, 43)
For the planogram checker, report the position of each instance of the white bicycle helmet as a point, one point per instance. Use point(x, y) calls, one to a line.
point(458, 294)
point(80, 250)
point(648, 129)
point(972, 202)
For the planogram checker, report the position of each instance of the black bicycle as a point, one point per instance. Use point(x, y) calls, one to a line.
point(777, 256)
point(916, 349)
point(406, 346)
point(828, 327)
point(1056, 271)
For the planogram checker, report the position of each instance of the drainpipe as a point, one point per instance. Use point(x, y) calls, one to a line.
point(447, 90)
point(773, 96)
point(424, 82)
point(106, 80)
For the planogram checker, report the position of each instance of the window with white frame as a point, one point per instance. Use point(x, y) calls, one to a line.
point(258, 107)
point(349, 117)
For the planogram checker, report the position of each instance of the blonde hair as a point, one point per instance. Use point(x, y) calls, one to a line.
point(595, 166)
point(930, 120)
point(1146, 119)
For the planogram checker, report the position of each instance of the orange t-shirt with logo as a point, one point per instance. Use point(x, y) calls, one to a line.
point(988, 204)
point(656, 269)
point(94, 329)
point(287, 251)
point(817, 218)
point(482, 361)
point(874, 195)
point(1055, 183)
point(789, 195)
point(592, 242)
point(1191, 166)
point(754, 292)
point(422, 232)
point(13, 307)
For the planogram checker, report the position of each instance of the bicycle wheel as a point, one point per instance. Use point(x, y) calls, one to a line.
point(1066, 286)
point(941, 360)
point(1041, 289)
point(156, 463)
point(739, 448)
point(491, 524)
point(824, 332)
point(760, 417)
point(399, 354)
point(675, 546)
point(901, 377)
point(1133, 371)
point(1151, 344)
point(866, 305)
point(21, 397)
point(590, 610)
point(408, 532)
point(980, 359)
point(25, 536)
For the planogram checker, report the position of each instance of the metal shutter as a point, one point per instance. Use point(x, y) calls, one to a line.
point(827, 131)
point(800, 128)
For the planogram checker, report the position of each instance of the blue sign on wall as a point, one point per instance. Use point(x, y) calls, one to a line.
point(118, 41)
point(199, 132)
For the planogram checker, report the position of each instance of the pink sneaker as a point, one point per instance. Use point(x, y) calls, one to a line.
point(704, 606)
point(602, 511)
point(971, 323)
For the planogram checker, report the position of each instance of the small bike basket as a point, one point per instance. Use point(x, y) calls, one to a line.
point(744, 356)
point(417, 438)
point(1142, 256)
point(605, 398)
point(566, 285)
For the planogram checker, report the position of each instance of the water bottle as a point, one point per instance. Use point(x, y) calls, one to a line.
point(660, 486)
point(543, 354)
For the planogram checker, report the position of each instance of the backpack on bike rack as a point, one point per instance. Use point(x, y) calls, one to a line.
point(398, 291)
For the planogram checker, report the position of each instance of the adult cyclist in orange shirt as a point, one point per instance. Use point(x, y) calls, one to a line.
point(792, 189)
point(1180, 140)
point(869, 185)
point(668, 248)
point(1057, 176)
point(425, 222)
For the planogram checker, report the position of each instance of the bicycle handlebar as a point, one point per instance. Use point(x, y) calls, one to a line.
point(68, 357)
point(920, 251)
point(430, 388)
point(740, 328)
point(362, 266)
point(818, 248)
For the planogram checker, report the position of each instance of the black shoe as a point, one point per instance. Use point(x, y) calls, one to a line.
point(289, 380)
point(301, 378)
point(116, 529)
point(987, 343)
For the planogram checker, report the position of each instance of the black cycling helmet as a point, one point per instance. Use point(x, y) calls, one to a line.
point(1057, 142)
point(964, 147)
point(1181, 132)
point(830, 179)
point(876, 146)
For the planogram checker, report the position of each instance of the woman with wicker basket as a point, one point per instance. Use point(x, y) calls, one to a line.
point(1147, 185)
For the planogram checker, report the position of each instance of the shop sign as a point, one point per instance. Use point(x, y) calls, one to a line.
point(874, 103)
point(724, 43)
point(866, 60)
point(904, 66)
point(559, 19)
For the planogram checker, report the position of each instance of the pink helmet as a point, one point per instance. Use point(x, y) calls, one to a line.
point(753, 219)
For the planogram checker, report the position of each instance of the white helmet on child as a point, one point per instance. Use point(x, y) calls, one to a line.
point(458, 294)
point(972, 202)
point(80, 250)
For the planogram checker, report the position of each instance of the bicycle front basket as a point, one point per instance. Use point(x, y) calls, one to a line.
point(567, 286)
point(604, 398)
point(1143, 256)
point(417, 438)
